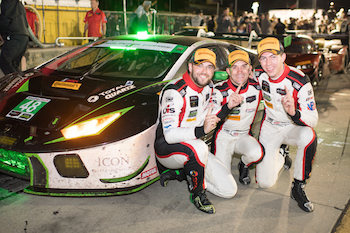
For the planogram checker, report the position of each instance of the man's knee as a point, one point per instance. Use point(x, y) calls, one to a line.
point(265, 181)
point(265, 184)
point(306, 137)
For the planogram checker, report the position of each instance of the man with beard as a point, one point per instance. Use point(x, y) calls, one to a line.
point(185, 115)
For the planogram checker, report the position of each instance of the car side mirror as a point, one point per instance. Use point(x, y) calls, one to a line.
point(220, 75)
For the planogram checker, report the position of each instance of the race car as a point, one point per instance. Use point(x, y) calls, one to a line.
point(303, 53)
point(316, 58)
point(83, 123)
point(336, 54)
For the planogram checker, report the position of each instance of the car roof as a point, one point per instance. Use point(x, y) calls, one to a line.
point(181, 40)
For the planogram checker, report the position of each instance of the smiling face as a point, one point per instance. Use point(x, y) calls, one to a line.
point(201, 74)
point(239, 72)
point(272, 64)
point(94, 5)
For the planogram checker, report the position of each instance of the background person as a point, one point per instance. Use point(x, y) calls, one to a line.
point(33, 21)
point(223, 22)
point(95, 21)
point(290, 115)
point(144, 17)
point(14, 34)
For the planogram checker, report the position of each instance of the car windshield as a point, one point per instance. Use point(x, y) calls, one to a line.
point(301, 47)
point(117, 59)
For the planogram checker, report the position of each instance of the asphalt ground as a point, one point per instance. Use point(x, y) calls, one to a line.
point(168, 209)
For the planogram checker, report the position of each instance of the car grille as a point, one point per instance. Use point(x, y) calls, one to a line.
point(14, 162)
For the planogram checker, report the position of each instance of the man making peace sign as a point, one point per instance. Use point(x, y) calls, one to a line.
point(290, 115)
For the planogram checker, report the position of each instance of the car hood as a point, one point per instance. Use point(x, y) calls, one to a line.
point(35, 108)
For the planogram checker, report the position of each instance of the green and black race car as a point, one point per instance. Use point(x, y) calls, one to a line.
point(83, 124)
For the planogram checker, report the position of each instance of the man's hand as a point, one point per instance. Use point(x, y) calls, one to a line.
point(235, 98)
point(210, 121)
point(288, 102)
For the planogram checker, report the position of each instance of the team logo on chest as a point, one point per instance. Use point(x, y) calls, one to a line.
point(193, 101)
point(265, 86)
point(281, 91)
point(251, 99)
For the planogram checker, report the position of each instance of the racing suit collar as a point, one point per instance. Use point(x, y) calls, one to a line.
point(283, 75)
point(190, 83)
point(234, 87)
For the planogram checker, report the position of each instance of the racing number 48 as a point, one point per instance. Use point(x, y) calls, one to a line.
point(30, 106)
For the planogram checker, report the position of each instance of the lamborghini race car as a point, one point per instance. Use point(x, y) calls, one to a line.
point(83, 124)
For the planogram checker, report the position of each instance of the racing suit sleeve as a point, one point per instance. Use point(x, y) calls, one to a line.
point(171, 108)
point(306, 112)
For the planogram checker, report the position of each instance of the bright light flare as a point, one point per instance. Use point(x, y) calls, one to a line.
point(91, 127)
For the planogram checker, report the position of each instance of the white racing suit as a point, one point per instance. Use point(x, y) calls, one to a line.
point(279, 128)
point(233, 135)
point(182, 110)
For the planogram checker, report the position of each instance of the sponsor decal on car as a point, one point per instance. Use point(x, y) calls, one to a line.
point(28, 108)
point(147, 45)
point(148, 173)
point(111, 93)
point(17, 81)
point(113, 161)
point(66, 85)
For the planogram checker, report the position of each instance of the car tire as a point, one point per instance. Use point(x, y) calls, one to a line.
point(346, 66)
point(319, 76)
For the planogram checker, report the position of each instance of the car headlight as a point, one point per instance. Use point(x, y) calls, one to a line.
point(305, 66)
point(93, 126)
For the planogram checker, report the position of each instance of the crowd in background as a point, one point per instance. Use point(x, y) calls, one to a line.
point(228, 23)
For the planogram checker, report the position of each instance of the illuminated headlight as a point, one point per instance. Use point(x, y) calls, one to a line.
point(91, 127)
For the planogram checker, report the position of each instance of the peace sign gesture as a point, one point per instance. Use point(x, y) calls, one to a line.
point(235, 98)
point(288, 102)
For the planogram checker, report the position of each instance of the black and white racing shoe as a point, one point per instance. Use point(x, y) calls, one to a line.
point(298, 194)
point(200, 200)
point(244, 177)
point(171, 174)
point(284, 151)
